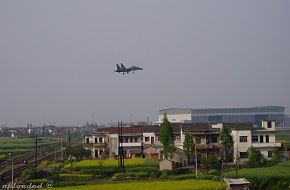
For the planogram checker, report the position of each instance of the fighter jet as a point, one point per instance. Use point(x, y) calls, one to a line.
point(123, 69)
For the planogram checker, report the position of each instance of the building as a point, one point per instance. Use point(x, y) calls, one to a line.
point(132, 138)
point(246, 136)
point(145, 140)
point(204, 136)
point(97, 143)
point(252, 115)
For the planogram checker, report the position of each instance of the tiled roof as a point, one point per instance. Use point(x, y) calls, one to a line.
point(238, 126)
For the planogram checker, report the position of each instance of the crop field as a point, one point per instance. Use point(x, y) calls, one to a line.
point(156, 185)
point(20, 145)
point(137, 162)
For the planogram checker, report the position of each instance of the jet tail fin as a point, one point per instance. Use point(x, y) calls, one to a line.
point(118, 68)
point(123, 67)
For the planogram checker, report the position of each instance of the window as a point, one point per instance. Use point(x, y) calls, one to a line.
point(177, 137)
point(255, 139)
point(214, 140)
point(243, 139)
point(101, 152)
point(198, 140)
point(147, 139)
point(100, 140)
point(96, 140)
point(267, 138)
point(261, 139)
point(269, 124)
point(270, 154)
point(243, 154)
point(87, 140)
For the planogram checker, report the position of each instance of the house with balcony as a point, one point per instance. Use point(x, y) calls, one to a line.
point(204, 136)
point(245, 135)
point(130, 139)
point(97, 143)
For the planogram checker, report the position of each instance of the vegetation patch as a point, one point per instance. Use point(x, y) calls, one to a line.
point(156, 185)
point(275, 177)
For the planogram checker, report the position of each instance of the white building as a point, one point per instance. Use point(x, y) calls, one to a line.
point(245, 136)
point(97, 143)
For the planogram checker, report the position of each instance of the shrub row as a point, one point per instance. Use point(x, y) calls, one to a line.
point(76, 177)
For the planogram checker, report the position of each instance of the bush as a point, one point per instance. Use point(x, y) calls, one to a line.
point(130, 175)
point(185, 176)
point(154, 173)
point(255, 158)
point(205, 177)
point(166, 174)
point(210, 162)
point(124, 176)
point(76, 177)
point(39, 181)
point(216, 178)
point(141, 169)
point(213, 172)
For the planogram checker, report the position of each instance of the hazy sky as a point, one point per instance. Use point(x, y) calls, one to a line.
point(57, 58)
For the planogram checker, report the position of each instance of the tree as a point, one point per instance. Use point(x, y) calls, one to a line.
point(166, 137)
point(255, 158)
point(277, 155)
point(188, 146)
point(227, 142)
point(79, 152)
point(210, 162)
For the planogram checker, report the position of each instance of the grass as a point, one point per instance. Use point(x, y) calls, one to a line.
point(280, 170)
point(2, 156)
point(156, 185)
point(21, 145)
point(266, 178)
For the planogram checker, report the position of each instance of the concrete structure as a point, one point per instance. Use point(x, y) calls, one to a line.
point(252, 115)
point(237, 184)
point(166, 165)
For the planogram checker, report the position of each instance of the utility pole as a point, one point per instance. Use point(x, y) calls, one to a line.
point(35, 160)
point(195, 153)
point(12, 172)
point(61, 150)
point(120, 148)
point(69, 149)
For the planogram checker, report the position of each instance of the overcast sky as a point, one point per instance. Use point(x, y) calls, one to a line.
point(57, 58)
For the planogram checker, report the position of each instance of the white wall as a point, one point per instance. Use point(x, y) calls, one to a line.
point(241, 146)
point(177, 118)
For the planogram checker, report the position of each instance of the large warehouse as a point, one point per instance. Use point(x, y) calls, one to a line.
point(225, 115)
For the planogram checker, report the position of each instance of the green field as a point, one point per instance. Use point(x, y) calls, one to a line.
point(275, 177)
point(156, 185)
point(114, 163)
point(21, 145)
point(280, 170)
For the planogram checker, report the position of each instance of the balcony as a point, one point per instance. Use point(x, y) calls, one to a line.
point(131, 144)
point(94, 145)
point(266, 145)
point(208, 146)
